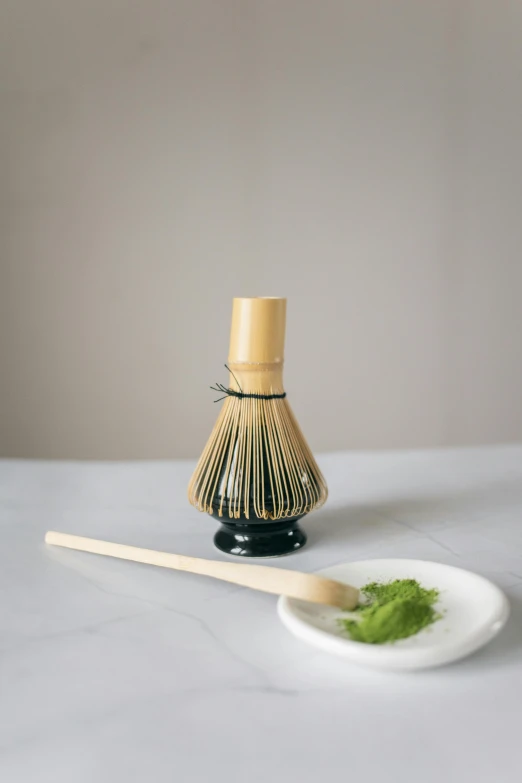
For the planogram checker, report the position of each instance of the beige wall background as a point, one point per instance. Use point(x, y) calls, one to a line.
point(159, 158)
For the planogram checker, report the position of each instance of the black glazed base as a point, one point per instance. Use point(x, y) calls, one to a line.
point(264, 539)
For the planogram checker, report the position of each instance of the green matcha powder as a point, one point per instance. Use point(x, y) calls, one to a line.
point(394, 610)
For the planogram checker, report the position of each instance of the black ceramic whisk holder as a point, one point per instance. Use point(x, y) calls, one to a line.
point(259, 539)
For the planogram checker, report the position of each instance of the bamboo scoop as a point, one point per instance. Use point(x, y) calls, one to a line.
point(293, 584)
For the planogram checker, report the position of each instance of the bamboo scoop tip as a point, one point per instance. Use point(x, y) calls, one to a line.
point(350, 597)
point(331, 593)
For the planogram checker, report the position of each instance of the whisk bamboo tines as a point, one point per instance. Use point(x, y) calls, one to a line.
point(257, 474)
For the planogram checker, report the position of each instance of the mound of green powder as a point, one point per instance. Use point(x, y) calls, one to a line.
point(393, 610)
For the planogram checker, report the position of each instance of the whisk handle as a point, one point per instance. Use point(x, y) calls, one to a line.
point(294, 584)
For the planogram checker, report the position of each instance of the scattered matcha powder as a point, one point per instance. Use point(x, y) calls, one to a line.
point(393, 610)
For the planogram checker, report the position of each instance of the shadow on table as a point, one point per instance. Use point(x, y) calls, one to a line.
point(353, 523)
point(344, 525)
point(368, 523)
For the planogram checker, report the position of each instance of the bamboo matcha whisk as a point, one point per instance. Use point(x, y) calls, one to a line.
point(257, 474)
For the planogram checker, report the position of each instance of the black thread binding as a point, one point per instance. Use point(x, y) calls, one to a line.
point(228, 392)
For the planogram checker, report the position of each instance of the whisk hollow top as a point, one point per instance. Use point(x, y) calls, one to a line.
point(258, 330)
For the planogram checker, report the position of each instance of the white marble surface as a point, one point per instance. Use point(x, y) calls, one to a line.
point(112, 671)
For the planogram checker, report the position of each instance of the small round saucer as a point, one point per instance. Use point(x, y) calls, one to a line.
point(473, 610)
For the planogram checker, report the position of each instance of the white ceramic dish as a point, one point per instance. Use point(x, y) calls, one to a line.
point(474, 611)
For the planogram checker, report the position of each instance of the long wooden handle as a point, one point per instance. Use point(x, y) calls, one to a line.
point(294, 584)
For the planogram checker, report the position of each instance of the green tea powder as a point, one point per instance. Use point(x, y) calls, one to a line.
point(393, 610)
